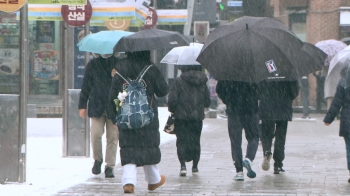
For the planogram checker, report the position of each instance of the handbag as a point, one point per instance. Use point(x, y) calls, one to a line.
point(169, 125)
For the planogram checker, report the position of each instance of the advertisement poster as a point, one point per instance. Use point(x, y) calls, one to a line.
point(46, 64)
point(9, 61)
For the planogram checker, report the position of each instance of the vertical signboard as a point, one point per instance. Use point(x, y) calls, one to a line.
point(79, 56)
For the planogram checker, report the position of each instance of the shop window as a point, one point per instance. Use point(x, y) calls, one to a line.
point(44, 43)
point(297, 22)
point(9, 53)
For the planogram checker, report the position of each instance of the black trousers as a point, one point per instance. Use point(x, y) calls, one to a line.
point(275, 129)
point(236, 123)
point(188, 134)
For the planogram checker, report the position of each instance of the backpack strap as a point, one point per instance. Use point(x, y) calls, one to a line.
point(126, 79)
point(142, 73)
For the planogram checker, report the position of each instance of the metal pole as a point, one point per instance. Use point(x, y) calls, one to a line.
point(65, 72)
point(87, 119)
point(23, 88)
point(188, 25)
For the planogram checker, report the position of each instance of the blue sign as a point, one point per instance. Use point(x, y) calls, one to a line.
point(234, 3)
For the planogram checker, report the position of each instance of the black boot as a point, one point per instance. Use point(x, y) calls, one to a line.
point(183, 170)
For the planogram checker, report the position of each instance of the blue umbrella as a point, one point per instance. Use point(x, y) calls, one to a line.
point(101, 42)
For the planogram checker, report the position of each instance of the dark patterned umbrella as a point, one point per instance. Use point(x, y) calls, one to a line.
point(151, 39)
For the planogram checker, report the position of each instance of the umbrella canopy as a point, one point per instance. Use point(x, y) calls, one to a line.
point(151, 39)
point(101, 42)
point(331, 47)
point(183, 55)
point(312, 59)
point(251, 49)
point(338, 62)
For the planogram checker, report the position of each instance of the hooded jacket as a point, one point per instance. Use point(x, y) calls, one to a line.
point(96, 84)
point(189, 95)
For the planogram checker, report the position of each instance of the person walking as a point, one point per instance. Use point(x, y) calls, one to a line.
point(275, 110)
point(188, 96)
point(341, 102)
point(241, 99)
point(93, 101)
point(139, 147)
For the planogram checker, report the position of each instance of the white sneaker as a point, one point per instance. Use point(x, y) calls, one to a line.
point(266, 163)
point(239, 176)
point(249, 166)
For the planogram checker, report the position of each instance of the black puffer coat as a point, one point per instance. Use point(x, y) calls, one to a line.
point(139, 146)
point(276, 98)
point(239, 97)
point(96, 84)
point(341, 101)
point(189, 95)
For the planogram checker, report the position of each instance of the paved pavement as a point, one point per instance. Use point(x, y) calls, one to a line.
point(315, 164)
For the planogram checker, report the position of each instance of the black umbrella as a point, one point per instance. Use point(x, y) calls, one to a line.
point(251, 49)
point(151, 39)
point(312, 58)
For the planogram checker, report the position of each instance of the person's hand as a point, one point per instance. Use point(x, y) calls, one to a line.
point(113, 72)
point(82, 113)
point(327, 124)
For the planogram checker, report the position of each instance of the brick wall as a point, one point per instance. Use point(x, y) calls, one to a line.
point(322, 24)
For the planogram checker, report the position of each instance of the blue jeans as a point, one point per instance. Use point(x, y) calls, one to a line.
point(347, 144)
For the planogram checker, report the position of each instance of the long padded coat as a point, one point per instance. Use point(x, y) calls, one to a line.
point(189, 95)
point(139, 146)
point(276, 98)
point(96, 85)
point(341, 101)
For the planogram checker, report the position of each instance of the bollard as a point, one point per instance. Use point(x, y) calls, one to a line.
point(77, 133)
point(10, 149)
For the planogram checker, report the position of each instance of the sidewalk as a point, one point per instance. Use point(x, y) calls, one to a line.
point(315, 164)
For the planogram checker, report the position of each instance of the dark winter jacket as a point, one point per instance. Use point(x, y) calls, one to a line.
point(139, 146)
point(341, 101)
point(96, 84)
point(276, 98)
point(189, 95)
point(240, 97)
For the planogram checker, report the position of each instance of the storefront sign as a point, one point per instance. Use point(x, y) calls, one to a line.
point(344, 18)
point(172, 17)
point(7, 17)
point(76, 15)
point(58, 2)
point(151, 19)
point(11, 5)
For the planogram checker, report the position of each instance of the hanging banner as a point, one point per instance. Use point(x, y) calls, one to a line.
point(44, 12)
point(58, 2)
point(113, 10)
point(101, 11)
point(76, 15)
point(172, 17)
point(11, 5)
